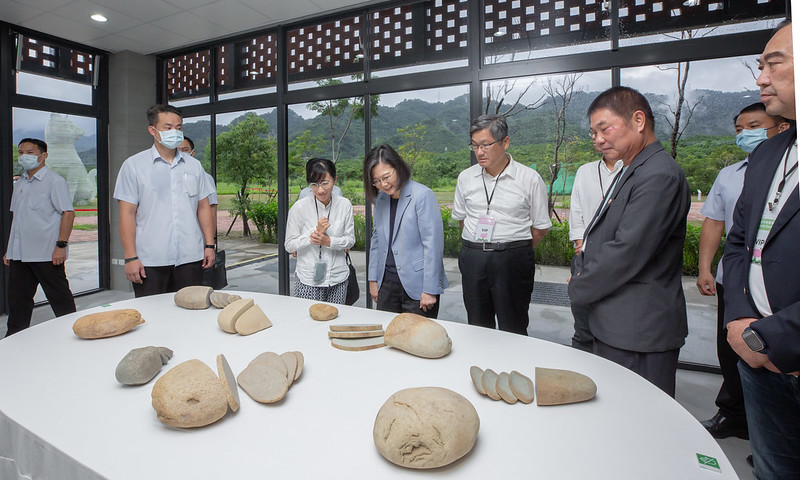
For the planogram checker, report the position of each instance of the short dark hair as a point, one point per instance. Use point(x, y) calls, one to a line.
point(623, 102)
point(152, 112)
point(757, 107)
point(40, 144)
point(383, 154)
point(496, 124)
point(316, 168)
point(191, 143)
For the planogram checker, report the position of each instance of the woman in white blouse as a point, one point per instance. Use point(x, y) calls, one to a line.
point(320, 228)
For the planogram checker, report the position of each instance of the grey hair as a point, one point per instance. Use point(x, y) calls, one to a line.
point(496, 124)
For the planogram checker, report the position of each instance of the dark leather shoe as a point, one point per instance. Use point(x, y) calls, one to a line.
point(720, 426)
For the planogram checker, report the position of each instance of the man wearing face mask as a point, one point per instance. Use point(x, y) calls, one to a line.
point(166, 223)
point(37, 245)
point(753, 126)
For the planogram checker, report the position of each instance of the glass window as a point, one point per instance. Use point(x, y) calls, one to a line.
point(527, 29)
point(72, 154)
point(198, 130)
point(247, 67)
point(188, 76)
point(326, 52)
point(418, 37)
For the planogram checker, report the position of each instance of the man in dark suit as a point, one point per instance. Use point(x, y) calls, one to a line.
point(629, 273)
point(762, 278)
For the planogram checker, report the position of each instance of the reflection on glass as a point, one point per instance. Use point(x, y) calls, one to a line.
point(725, 29)
point(72, 154)
point(53, 88)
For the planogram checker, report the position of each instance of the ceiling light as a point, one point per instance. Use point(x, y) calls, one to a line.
point(99, 18)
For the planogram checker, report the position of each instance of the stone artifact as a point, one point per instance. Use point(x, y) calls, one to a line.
point(228, 382)
point(367, 327)
point(559, 387)
point(323, 312)
point(251, 321)
point(425, 427)
point(356, 334)
point(189, 395)
point(300, 363)
point(504, 389)
point(476, 373)
point(222, 299)
point(522, 386)
point(275, 360)
point(228, 316)
point(509, 387)
point(140, 365)
point(418, 336)
point(490, 384)
point(357, 344)
point(196, 297)
point(290, 360)
point(264, 382)
point(107, 324)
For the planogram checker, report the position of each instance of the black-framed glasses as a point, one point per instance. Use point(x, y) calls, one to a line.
point(383, 179)
point(475, 146)
point(325, 184)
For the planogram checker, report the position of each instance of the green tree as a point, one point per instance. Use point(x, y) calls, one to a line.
point(303, 147)
point(341, 112)
point(245, 154)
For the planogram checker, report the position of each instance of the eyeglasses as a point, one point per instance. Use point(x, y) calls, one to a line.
point(475, 147)
point(325, 184)
point(384, 179)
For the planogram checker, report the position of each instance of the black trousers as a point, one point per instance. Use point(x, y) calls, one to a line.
point(582, 339)
point(730, 399)
point(657, 367)
point(169, 279)
point(497, 283)
point(24, 277)
point(392, 297)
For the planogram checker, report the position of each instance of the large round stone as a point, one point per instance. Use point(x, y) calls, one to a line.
point(425, 427)
point(189, 395)
point(418, 336)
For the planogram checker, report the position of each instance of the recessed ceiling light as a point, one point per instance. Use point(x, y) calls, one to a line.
point(99, 18)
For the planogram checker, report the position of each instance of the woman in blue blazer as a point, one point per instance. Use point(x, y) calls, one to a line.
point(409, 276)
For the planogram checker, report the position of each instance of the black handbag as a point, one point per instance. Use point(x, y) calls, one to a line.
point(353, 291)
point(216, 277)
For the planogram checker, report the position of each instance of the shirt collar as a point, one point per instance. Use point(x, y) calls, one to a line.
point(510, 170)
point(38, 175)
point(744, 163)
point(157, 156)
point(617, 165)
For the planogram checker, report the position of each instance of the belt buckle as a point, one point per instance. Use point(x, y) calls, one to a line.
point(490, 249)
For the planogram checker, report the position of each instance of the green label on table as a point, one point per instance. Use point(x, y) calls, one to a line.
point(708, 462)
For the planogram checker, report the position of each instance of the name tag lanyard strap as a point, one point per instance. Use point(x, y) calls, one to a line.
point(317, 209)
point(486, 190)
point(774, 203)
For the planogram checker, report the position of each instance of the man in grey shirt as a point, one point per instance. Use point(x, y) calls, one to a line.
point(37, 245)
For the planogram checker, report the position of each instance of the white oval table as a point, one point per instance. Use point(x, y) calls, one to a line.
point(64, 416)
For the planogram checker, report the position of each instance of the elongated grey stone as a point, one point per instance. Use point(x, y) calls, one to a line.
point(140, 365)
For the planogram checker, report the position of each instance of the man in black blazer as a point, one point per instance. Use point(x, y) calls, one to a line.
point(629, 273)
point(762, 277)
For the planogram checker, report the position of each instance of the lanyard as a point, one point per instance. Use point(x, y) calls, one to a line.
point(774, 203)
point(317, 209)
point(486, 190)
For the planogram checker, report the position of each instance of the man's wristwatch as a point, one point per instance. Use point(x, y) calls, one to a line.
point(210, 246)
point(62, 244)
point(753, 340)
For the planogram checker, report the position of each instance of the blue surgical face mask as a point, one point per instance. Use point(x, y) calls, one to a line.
point(28, 162)
point(748, 140)
point(171, 138)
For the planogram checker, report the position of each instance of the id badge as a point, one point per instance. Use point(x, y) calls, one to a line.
point(483, 231)
point(320, 267)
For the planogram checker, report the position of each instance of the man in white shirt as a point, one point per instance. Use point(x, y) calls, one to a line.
point(166, 224)
point(753, 125)
point(501, 206)
point(37, 245)
point(591, 184)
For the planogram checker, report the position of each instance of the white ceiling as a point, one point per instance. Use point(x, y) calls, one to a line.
point(151, 26)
